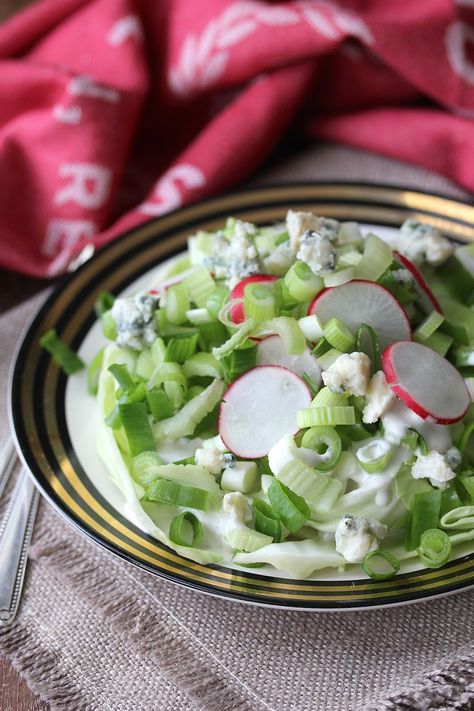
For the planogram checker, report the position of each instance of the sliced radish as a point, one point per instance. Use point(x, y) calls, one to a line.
point(426, 382)
point(237, 314)
point(361, 301)
point(259, 408)
point(428, 300)
point(272, 351)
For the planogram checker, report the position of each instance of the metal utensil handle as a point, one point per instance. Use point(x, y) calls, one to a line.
point(15, 534)
point(7, 460)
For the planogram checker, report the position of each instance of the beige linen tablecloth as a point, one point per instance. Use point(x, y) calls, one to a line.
point(94, 632)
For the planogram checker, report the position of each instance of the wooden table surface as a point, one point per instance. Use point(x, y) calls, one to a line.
point(14, 693)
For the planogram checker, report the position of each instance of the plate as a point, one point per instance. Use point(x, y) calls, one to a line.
point(53, 417)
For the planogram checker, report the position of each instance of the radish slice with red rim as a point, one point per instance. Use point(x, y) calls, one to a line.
point(362, 301)
point(272, 351)
point(428, 300)
point(428, 383)
point(259, 408)
point(237, 313)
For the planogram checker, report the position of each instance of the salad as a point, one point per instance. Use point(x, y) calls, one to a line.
point(296, 396)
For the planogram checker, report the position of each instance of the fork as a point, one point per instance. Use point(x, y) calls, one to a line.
point(16, 529)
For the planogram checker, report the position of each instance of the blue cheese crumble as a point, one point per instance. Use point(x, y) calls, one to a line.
point(317, 251)
point(423, 243)
point(356, 536)
point(298, 223)
point(234, 257)
point(134, 319)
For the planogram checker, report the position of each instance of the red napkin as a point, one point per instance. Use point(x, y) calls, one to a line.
point(113, 111)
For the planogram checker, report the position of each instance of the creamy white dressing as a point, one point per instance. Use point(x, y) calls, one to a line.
point(400, 418)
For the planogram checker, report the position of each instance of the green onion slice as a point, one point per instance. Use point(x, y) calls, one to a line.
point(61, 353)
point(174, 494)
point(292, 510)
point(316, 416)
point(435, 548)
point(266, 520)
point(103, 303)
point(424, 514)
point(325, 441)
point(93, 373)
point(122, 376)
point(367, 341)
point(186, 530)
point(134, 418)
point(375, 456)
point(259, 302)
point(339, 335)
point(377, 557)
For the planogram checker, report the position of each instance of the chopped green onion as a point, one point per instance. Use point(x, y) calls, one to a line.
point(428, 327)
point(289, 331)
point(215, 301)
point(200, 286)
point(435, 548)
point(312, 385)
point(327, 398)
point(191, 414)
point(464, 356)
point(186, 530)
point(266, 520)
point(158, 351)
point(461, 518)
point(367, 341)
point(450, 498)
point(137, 394)
point(376, 259)
point(122, 376)
point(380, 574)
point(302, 283)
point(109, 327)
point(242, 538)
point(103, 303)
point(239, 361)
point(424, 514)
point(291, 509)
point(145, 364)
point(212, 335)
point(338, 335)
point(315, 416)
point(134, 418)
point(202, 365)
point(61, 353)
point(439, 342)
point(143, 467)
point(324, 441)
point(322, 347)
point(375, 456)
point(259, 302)
point(175, 393)
point(174, 494)
point(179, 350)
point(340, 276)
point(465, 488)
point(177, 303)
point(465, 439)
point(93, 372)
point(236, 340)
point(413, 440)
point(327, 359)
point(311, 327)
point(198, 316)
point(168, 373)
